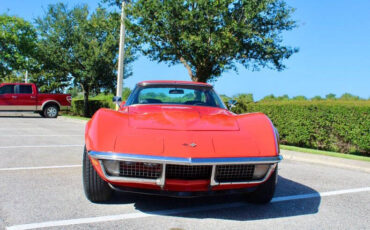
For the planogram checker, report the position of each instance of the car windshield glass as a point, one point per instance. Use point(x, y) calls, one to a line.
point(179, 94)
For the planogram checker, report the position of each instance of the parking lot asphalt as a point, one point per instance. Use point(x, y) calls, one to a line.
point(41, 187)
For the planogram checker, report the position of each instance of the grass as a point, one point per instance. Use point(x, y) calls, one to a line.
point(326, 153)
point(77, 117)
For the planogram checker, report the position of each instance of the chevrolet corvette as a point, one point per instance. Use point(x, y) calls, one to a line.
point(178, 138)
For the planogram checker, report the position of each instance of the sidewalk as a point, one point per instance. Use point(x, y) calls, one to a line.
point(326, 160)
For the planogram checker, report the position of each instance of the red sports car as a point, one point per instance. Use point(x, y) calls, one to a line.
point(177, 138)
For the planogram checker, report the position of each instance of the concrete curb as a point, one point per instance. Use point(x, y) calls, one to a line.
point(326, 160)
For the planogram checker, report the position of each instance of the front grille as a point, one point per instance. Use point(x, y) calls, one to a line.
point(234, 173)
point(185, 172)
point(140, 170)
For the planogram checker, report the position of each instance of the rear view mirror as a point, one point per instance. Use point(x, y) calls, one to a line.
point(176, 91)
point(231, 103)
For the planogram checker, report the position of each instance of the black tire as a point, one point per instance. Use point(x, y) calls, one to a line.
point(96, 189)
point(51, 111)
point(264, 192)
point(41, 114)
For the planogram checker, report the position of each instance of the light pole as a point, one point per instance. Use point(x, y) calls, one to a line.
point(121, 54)
point(26, 77)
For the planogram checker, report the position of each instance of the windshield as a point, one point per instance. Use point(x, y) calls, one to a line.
point(175, 94)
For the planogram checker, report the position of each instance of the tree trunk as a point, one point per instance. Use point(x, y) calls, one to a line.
point(86, 104)
point(188, 68)
point(201, 75)
point(85, 90)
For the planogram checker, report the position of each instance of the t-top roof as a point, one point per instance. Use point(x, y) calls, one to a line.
point(164, 82)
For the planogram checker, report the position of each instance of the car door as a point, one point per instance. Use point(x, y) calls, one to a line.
point(7, 97)
point(25, 97)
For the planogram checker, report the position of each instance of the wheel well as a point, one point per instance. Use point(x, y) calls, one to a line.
point(51, 103)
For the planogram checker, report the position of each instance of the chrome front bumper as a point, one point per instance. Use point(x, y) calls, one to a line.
point(273, 161)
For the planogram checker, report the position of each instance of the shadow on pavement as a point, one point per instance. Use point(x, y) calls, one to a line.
point(242, 212)
point(17, 116)
point(7, 114)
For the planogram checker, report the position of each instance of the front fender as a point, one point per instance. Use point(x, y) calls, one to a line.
point(260, 127)
point(102, 130)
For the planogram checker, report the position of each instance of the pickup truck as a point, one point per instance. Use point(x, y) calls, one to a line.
point(25, 97)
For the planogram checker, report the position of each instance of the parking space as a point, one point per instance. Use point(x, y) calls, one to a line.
point(41, 186)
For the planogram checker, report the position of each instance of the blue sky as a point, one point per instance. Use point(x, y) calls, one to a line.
point(334, 57)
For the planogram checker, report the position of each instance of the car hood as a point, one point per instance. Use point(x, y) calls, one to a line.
point(187, 144)
point(185, 118)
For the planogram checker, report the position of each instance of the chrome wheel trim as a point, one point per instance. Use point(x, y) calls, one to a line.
point(51, 111)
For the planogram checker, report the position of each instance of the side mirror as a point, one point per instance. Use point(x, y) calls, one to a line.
point(117, 100)
point(231, 103)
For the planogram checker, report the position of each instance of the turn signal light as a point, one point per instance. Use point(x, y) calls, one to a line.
point(111, 167)
point(260, 171)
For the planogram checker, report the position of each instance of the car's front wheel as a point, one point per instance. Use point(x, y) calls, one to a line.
point(96, 189)
point(264, 192)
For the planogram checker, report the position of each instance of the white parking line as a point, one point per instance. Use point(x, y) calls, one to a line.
point(40, 167)
point(21, 128)
point(38, 146)
point(137, 215)
point(43, 135)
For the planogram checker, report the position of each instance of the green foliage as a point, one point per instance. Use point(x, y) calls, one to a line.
point(299, 98)
point(73, 91)
point(99, 101)
point(209, 37)
point(83, 45)
point(283, 98)
point(10, 78)
point(244, 98)
point(78, 109)
point(340, 126)
point(317, 98)
point(348, 96)
point(331, 96)
point(270, 97)
point(17, 46)
point(125, 93)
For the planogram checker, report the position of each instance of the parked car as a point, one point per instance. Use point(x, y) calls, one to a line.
point(179, 139)
point(25, 97)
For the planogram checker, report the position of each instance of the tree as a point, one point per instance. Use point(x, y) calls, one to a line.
point(81, 45)
point(211, 36)
point(285, 97)
point(270, 97)
point(350, 97)
point(244, 98)
point(299, 98)
point(317, 98)
point(17, 47)
point(11, 78)
point(330, 96)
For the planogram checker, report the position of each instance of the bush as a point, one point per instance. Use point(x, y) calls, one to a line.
point(334, 125)
point(95, 103)
point(78, 106)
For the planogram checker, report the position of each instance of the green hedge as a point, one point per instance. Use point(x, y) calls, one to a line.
point(334, 125)
point(94, 104)
point(340, 126)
